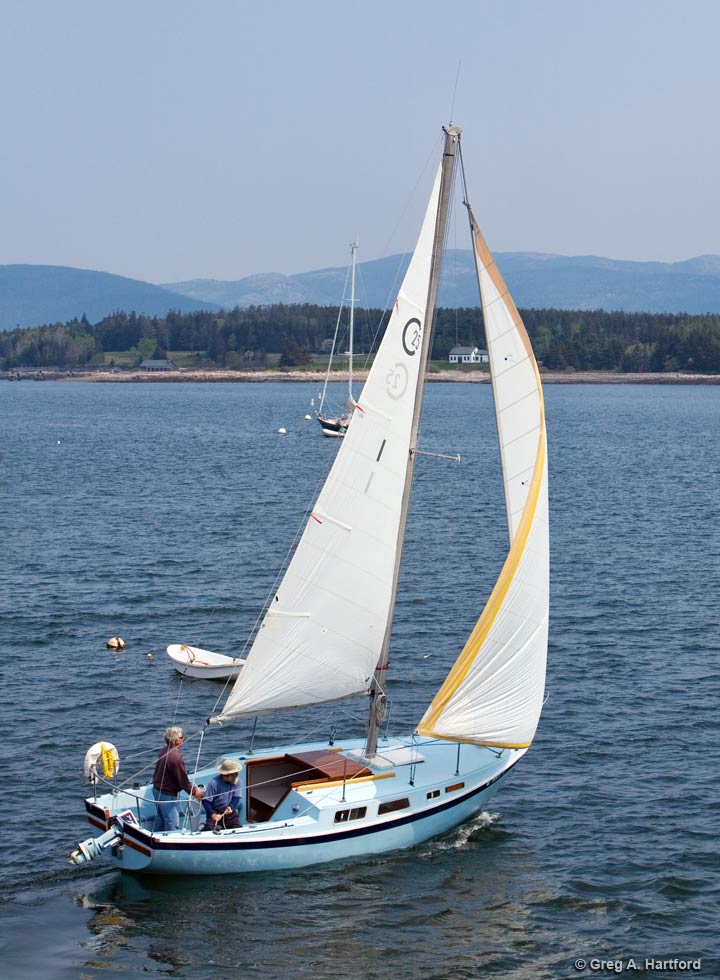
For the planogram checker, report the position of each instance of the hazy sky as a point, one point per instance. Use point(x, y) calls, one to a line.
point(172, 139)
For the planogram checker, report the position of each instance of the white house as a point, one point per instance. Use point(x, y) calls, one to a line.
point(158, 365)
point(468, 355)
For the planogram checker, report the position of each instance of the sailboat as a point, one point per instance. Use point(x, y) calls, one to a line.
point(326, 633)
point(335, 426)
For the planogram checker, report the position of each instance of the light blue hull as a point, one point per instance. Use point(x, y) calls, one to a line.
point(416, 791)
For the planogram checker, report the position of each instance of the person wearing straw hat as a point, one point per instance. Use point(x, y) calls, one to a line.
point(222, 798)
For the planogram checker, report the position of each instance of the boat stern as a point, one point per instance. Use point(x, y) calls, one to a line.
point(121, 836)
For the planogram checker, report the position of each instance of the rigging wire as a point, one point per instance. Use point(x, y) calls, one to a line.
point(335, 337)
point(401, 265)
point(316, 729)
point(133, 777)
point(212, 612)
point(457, 78)
point(371, 330)
point(282, 569)
point(466, 196)
point(189, 804)
point(174, 717)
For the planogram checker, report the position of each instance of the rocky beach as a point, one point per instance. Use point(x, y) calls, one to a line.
point(442, 377)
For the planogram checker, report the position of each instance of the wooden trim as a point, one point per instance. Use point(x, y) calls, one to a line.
point(137, 847)
point(314, 784)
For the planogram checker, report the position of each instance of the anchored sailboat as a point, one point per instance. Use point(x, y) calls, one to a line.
point(326, 633)
point(335, 426)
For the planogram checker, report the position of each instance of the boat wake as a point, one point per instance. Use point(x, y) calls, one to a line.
point(474, 830)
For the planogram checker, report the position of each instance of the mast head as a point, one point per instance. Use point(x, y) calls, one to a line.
point(452, 131)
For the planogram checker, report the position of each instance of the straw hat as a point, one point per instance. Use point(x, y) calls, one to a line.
point(226, 766)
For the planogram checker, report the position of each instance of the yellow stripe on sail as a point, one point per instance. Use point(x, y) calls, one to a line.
point(488, 262)
point(472, 648)
point(475, 641)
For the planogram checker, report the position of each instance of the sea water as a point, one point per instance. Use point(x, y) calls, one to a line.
point(163, 512)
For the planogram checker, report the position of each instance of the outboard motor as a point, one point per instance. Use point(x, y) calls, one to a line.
point(91, 848)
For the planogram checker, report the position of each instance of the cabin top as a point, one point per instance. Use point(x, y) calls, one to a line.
point(334, 765)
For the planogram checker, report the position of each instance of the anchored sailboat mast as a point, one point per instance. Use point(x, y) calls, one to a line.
point(351, 328)
point(377, 697)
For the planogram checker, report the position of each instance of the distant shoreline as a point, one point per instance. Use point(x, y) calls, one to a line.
point(255, 377)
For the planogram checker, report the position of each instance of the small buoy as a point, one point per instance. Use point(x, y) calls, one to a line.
point(308, 418)
point(116, 643)
point(149, 656)
point(282, 432)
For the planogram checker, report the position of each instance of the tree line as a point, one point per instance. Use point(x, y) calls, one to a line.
point(242, 338)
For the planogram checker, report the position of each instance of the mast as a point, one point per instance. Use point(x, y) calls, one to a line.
point(378, 700)
point(353, 249)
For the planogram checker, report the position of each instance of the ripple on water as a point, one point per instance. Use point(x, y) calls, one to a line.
point(603, 841)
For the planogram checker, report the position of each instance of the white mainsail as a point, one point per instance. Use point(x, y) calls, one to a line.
point(493, 694)
point(323, 634)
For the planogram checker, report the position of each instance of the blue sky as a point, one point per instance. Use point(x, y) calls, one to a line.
point(169, 139)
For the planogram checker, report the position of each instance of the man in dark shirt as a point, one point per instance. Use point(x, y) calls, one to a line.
point(169, 779)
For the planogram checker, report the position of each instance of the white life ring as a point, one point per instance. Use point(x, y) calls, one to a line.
point(94, 756)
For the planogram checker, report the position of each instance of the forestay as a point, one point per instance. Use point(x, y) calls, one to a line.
point(493, 694)
point(322, 636)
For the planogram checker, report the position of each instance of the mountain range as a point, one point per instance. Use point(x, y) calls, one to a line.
point(36, 294)
point(536, 280)
point(31, 295)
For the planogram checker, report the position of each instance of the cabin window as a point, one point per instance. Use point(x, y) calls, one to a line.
point(450, 789)
point(357, 813)
point(393, 805)
point(433, 794)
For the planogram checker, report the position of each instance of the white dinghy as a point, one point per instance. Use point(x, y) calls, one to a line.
point(196, 662)
point(326, 632)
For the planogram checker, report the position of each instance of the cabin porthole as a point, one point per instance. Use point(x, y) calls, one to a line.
point(391, 805)
point(355, 813)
